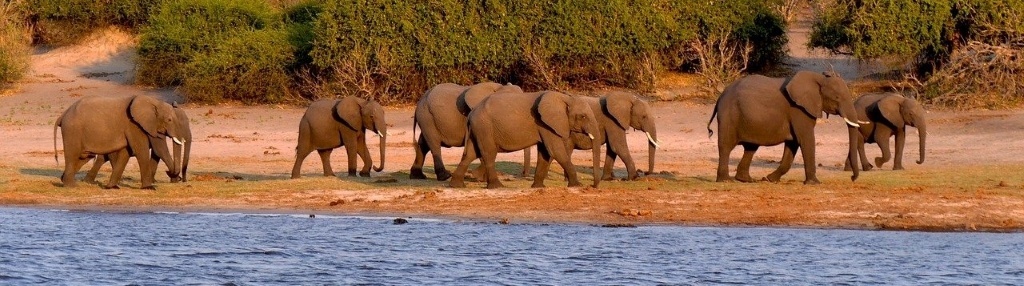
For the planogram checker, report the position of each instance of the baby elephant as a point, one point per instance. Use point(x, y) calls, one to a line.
point(891, 113)
point(332, 123)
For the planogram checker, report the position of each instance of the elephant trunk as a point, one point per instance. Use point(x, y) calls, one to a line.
point(922, 131)
point(597, 163)
point(383, 146)
point(652, 146)
point(178, 162)
point(854, 157)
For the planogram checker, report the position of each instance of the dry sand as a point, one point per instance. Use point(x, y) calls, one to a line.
point(971, 180)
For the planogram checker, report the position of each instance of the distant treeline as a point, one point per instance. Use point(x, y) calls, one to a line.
point(271, 51)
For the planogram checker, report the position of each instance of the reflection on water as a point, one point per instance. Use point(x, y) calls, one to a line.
point(58, 247)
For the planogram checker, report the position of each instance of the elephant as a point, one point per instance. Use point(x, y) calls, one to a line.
point(759, 111)
point(616, 112)
point(441, 115)
point(512, 121)
point(116, 126)
point(180, 158)
point(891, 113)
point(332, 123)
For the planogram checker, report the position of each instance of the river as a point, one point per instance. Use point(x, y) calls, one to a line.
point(40, 246)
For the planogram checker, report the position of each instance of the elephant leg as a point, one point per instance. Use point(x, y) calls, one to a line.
point(325, 160)
point(788, 154)
point(118, 161)
point(562, 157)
point(351, 153)
point(416, 171)
point(901, 138)
point(301, 152)
point(490, 173)
point(743, 169)
point(526, 163)
point(432, 140)
point(724, 148)
point(622, 150)
point(543, 163)
point(72, 162)
point(609, 165)
point(882, 138)
point(810, 166)
point(469, 154)
point(865, 164)
point(364, 153)
point(146, 164)
point(97, 164)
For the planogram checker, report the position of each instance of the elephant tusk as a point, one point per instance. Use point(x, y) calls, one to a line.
point(651, 139)
point(380, 134)
point(851, 123)
point(176, 141)
point(863, 122)
point(591, 136)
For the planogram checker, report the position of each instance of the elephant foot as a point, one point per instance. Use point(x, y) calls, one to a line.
point(879, 161)
point(443, 175)
point(608, 178)
point(772, 178)
point(417, 174)
point(537, 185)
point(867, 167)
point(457, 184)
point(495, 185)
point(574, 184)
point(350, 173)
point(897, 168)
point(365, 174)
point(150, 187)
point(745, 178)
point(847, 168)
point(724, 179)
point(114, 187)
point(812, 181)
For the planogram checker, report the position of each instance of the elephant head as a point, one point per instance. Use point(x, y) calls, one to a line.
point(901, 111)
point(361, 114)
point(157, 119)
point(181, 158)
point(564, 115)
point(815, 93)
point(629, 111)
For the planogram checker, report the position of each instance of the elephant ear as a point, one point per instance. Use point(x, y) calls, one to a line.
point(348, 111)
point(144, 112)
point(553, 108)
point(890, 108)
point(619, 106)
point(804, 89)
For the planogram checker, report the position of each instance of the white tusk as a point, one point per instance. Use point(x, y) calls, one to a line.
point(380, 134)
point(591, 136)
point(851, 123)
point(651, 139)
point(863, 122)
point(176, 141)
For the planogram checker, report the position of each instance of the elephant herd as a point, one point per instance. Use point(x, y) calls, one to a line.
point(490, 118)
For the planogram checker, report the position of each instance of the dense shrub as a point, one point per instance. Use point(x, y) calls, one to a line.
point(182, 30)
point(62, 22)
point(971, 45)
point(14, 49)
point(396, 49)
point(248, 67)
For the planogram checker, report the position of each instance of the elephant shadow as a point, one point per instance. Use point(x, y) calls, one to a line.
point(236, 176)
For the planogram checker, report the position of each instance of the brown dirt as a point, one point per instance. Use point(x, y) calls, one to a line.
point(243, 156)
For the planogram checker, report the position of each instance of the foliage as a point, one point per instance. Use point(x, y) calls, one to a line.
point(938, 37)
point(14, 49)
point(64, 22)
point(184, 30)
point(248, 67)
point(397, 49)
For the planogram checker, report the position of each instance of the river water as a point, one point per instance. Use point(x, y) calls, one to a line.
point(103, 248)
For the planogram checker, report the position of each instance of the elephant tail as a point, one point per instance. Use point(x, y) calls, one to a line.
point(55, 126)
point(713, 114)
point(414, 123)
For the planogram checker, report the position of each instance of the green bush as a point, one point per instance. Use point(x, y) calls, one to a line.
point(397, 49)
point(63, 22)
point(924, 30)
point(247, 67)
point(14, 48)
point(183, 30)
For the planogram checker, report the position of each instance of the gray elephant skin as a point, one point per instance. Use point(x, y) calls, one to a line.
point(332, 123)
point(116, 126)
point(759, 111)
point(181, 159)
point(441, 117)
point(509, 122)
point(617, 112)
point(890, 114)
